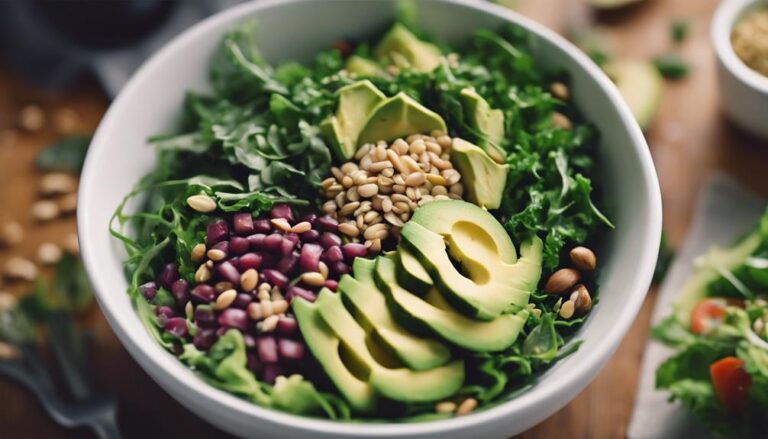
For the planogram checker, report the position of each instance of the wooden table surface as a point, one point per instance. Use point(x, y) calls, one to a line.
point(689, 139)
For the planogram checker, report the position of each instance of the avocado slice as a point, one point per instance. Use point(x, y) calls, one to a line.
point(433, 313)
point(411, 274)
point(363, 66)
point(325, 346)
point(402, 48)
point(484, 179)
point(369, 307)
point(356, 102)
point(399, 116)
point(384, 373)
point(489, 122)
point(641, 85)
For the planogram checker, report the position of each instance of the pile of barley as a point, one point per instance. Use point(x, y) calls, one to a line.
point(374, 197)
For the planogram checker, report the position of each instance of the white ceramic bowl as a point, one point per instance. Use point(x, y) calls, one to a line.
point(297, 29)
point(743, 91)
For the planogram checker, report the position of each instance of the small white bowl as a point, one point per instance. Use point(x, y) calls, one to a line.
point(297, 29)
point(743, 91)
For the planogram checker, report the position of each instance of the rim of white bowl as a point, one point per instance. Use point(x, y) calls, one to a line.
point(543, 391)
point(723, 21)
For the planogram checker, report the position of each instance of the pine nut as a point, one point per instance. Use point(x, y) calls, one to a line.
point(567, 309)
point(436, 179)
point(349, 208)
point(379, 166)
point(71, 244)
point(45, 210)
point(347, 181)
point(348, 168)
point(337, 173)
point(281, 224)
point(264, 295)
point(266, 308)
point(379, 153)
point(224, 300)
point(400, 146)
point(415, 179)
point(366, 162)
point(57, 183)
point(222, 286)
point(203, 274)
point(9, 351)
point(457, 188)
point(270, 323)
point(189, 309)
point(349, 229)
point(466, 406)
point(216, 254)
point(277, 296)
point(398, 188)
point(393, 219)
point(372, 231)
point(341, 198)
point(559, 120)
point(249, 279)
point(444, 141)
point(329, 206)
point(445, 407)
point(68, 204)
point(581, 299)
point(313, 279)
point(20, 269)
point(362, 151)
point(49, 253)
point(360, 221)
point(411, 164)
point(323, 268)
point(439, 190)
point(327, 183)
point(201, 203)
point(302, 227)
point(368, 190)
point(254, 311)
point(386, 204)
point(388, 172)
point(353, 194)
point(360, 177)
point(560, 91)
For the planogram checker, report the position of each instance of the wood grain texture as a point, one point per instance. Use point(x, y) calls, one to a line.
point(689, 139)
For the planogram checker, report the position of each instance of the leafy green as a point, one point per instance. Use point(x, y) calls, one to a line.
point(666, 255)
point(65, 155)
point(672, 66)
point(678, 30)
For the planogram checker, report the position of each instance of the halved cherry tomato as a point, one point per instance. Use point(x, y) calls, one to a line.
point(707, 314)
point(731, 383)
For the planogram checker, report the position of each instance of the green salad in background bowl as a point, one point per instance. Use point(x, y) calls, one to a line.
point(394, 226)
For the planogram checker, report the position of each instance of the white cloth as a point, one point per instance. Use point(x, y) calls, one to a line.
point(724, 212)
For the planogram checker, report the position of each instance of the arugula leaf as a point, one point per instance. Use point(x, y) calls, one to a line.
point(65, 155)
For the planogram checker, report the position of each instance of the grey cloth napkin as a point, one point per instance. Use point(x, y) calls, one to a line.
point(724, 212)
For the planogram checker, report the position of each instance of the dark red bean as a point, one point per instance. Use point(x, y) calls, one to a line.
point(148, 290)
point(252, 362)
point(168, 275)
point(180, 291)
point(327, 224)
point(203, 293)
point(288, 263)
point(249, 341)
point(204, 339)
point(177, 326)
point(353, 250)
point(242, 300)
point(262, 226)
point(238, 245)
point(248, 261)
point(282, 211)
point(293, 237)
point(221, 330)
point(333, 254)
point(339, 268)
point(242, 222)
point(290, 349)
point(216, 231)
point(294, 292)
point(270, 372)
point(328, 239)
point(268, 260)
point(257, 241)
point(266, 346)
point(288, 245)
point(234, 318)
point(223, 246)
point(331, 284)
point(310, 257)
point(228, 272)
point(287, 325)
point(309, 217)
point(275, 278)
point(204, 315)
point(310, 236)
point(273, 243)
point(164, 313)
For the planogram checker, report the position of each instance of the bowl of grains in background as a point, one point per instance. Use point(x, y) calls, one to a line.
point(740, 36)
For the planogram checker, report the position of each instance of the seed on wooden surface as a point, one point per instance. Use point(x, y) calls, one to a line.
point(71, 244)
point(7, 301)
point(57, 183)
point(11, 234)
point(18, 268)
point(45, 210)
point(68, 204)
point(49, 253)
point(31, 118)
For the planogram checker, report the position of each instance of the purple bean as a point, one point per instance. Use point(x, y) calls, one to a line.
point(262, 226)
point(180, 291)
point(238, 245)
point(270, 372)
point(148, 290)
point(204, 315)
point(288, 263)
point(327, 224)
point(339, 268)
point(223, 246)
point(309, 217)
point(216, 231)
point(282, 211)
point(275, 277)
point(268, 260)
point(177, 326)
point(287, 325)
point(257, 241)
point(331, 284)
point(310, 257)
point(248, 261)
point(294, 292)
point(203, 293)
point(242, 300)
point(249, 341)
point(310, 236)
point(288, 245)
point(242, 222)
point(266, 346)
point(290, 349)
point(168, 275)
point(204, 339)
point(228, 272)
point(293, 237)
point(328, 239)
point(273, 242)
point(164, 313)
point(252, 362)
point(234, 318)
point(221, 330)
point(353, 250)
point(333, 254)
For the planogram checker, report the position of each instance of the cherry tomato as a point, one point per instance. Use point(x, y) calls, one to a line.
point(707, 315)
point(731, 383)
